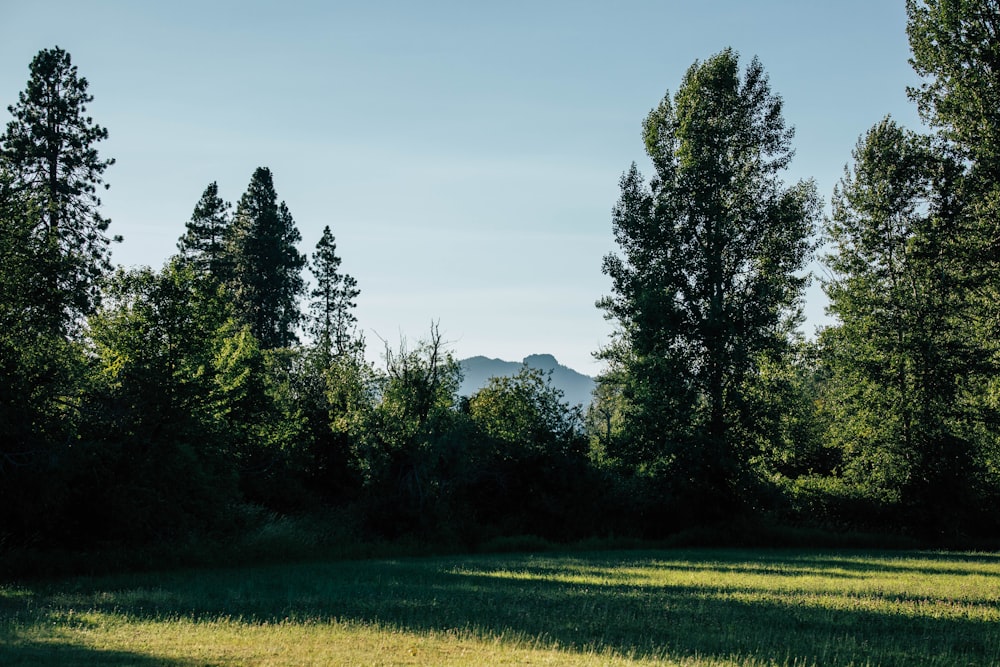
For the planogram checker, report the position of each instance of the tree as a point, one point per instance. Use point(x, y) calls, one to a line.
point(53, 251)
point(204, 242)
point(21, 252)
point(266, 266)
point(49, 147)
point(708, 275)
point(409, 438)
point(159, 459)
point(526, 412)
point(39, 369)
point(527, 470)
point(956, 47)
point(333, 302)
point(901, 290)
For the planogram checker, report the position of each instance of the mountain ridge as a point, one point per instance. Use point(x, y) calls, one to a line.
point(478, 370)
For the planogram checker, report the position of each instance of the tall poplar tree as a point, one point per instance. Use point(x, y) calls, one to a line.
point(50, 149)
point(711, 251)
point(267, 267)
point(956, 49)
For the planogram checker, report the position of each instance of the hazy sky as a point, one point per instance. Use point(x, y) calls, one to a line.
point(466, 155)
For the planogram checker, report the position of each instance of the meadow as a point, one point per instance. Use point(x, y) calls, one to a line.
point(683, 607)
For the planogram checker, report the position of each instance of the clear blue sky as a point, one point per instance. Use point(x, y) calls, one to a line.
point(466, 155)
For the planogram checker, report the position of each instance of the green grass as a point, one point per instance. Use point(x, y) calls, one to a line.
point(707, 607)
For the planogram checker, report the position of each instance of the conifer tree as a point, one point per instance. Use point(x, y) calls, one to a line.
point(267, 267)
point(50, 149)
point(334, 300)
point(204, 242)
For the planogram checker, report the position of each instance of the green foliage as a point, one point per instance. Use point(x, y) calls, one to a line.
point(411, 436)
point(53, 251)
point(841, 504)
point(785, 399)
point(528, 472)
point(255, 398)
point(169, 405)
point(956, 48)
point(155, 439)
point(525, 411)
point(337, 397)
point(711, 251)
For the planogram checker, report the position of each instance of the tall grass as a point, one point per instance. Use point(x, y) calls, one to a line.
point(705, 607)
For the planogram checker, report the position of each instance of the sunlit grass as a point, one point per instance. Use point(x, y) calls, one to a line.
point(741, 608)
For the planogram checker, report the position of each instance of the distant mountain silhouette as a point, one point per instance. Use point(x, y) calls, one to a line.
point(577, 387)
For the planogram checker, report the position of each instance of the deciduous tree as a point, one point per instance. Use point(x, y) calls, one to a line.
point(712, 251)
point(901, 291)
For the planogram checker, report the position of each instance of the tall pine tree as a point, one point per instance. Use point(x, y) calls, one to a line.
point(334, 300)
point(203, 244)
point(267, 267)
point(50, 149)
point(53, 252)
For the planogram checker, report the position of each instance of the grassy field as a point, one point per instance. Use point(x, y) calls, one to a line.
point(712, 607)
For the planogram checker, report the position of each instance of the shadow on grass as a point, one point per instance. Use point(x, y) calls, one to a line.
point(30, 654)
point(577, 603)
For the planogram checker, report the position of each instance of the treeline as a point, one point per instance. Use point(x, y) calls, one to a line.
point(146, 405)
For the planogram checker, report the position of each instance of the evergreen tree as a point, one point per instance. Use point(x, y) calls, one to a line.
point(53, 251)
point(50, 149)
point(266, 266)
point(333, 302)
point(707, 278)
point(204, 241)
point(35, 359)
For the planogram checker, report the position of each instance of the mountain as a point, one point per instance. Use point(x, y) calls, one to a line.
point(477, 371)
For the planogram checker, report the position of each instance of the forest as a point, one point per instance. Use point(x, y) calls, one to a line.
point(186, 402)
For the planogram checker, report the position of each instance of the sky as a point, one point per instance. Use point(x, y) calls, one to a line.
point(465, 155)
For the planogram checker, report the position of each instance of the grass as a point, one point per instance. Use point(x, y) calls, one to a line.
point(705, 607)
